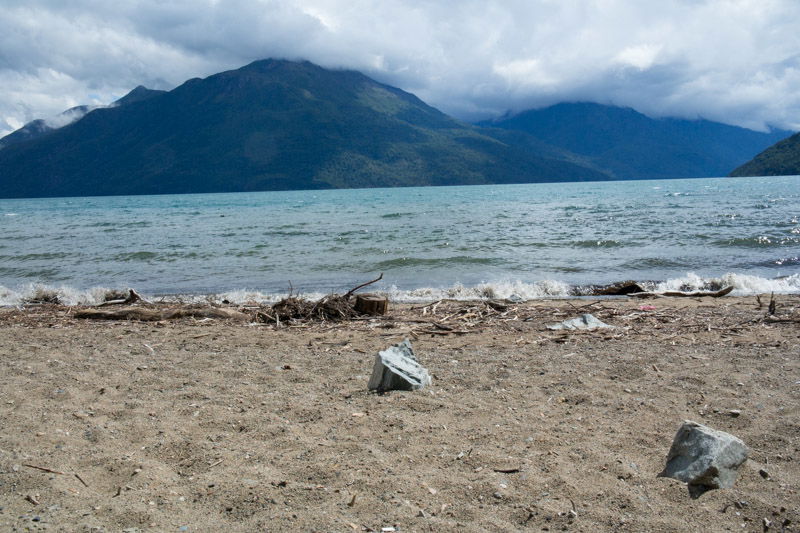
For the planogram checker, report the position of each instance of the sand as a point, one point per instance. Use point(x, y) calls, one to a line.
point(214, 425)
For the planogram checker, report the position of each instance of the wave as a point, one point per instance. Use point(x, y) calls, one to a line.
point(760, 241)
point(743, 285)
point(602, 243)
point(434, 262)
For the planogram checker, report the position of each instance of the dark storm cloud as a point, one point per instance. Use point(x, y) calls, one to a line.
point(736, 61)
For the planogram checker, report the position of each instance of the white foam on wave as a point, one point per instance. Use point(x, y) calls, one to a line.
point(743, 284)
point(245, 296)
point(38, 292)
point(513, 289)
point(482, 291)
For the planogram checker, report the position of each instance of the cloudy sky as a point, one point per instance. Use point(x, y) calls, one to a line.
point(735, 61)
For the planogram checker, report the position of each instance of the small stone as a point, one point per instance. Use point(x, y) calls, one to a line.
point(766, 522)
point(498, 495)
point(734, 412)
point(763, 473)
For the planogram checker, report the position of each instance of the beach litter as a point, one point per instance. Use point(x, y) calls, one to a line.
point(396, 368)
point(704, 458)
point(584, 322)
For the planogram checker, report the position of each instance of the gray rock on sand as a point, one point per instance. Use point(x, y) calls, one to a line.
point(704, 458)
point(396, 368)
point(586, 321)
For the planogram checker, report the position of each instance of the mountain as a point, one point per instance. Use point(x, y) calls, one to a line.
point(39, 127)
point(139, 94)
point(36, 128)
point(274, 125)
point(630, 145)
point(781, 159)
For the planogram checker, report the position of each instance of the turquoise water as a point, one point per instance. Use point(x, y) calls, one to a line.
point(533, 240)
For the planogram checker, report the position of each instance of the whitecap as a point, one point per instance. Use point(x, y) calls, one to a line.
point(743, 284)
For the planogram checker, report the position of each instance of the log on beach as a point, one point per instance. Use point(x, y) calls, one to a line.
point(371, 304)
point(154, 315)
point(695, 294)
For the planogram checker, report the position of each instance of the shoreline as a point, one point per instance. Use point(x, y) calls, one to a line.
point(515, 290)
point(209, 424)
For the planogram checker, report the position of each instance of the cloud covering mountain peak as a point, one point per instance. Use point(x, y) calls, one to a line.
point(734, 61)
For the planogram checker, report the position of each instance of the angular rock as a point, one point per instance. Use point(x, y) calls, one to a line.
point(586, 321)
point(704, 458)
point(396, 368)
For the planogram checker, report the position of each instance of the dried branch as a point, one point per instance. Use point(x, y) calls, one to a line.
point(354, 289)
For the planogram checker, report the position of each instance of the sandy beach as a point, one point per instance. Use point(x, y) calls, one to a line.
point(218, 425)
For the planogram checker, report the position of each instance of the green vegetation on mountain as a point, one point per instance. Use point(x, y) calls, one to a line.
point(781, 159)
point(273, 125)
point(630, 145)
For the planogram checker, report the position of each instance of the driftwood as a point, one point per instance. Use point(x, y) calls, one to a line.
point(695, 294)
point(154, 315)
point(331, 307)
point(618, 289)
point(371, 304)
point(132, 298)
point(354, 289)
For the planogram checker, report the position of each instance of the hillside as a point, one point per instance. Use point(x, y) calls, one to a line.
point(273, 125)
point(40, 127)
point(630, 145)
point(781, 159)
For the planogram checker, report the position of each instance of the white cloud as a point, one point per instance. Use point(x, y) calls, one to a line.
point(737, 61)
point(641, 56)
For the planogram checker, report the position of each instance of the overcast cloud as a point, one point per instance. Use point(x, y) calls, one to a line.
point(735, 61)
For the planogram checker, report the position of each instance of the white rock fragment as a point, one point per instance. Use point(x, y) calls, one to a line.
point(584, 322)
point(396, 368)
point(704, 458)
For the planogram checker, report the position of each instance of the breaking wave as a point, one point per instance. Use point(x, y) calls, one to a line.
point(743, 285)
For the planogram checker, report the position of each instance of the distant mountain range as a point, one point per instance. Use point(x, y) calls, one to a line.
point(629, 145)
point(782, 159)
point(272, 125)
point(275, 125)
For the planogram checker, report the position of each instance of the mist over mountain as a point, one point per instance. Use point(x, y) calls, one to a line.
point(630, 145)
point(36, 128)
point(781, 159)
point(273, 125)
point(39, 127)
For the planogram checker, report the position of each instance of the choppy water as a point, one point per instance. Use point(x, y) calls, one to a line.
point(531, 240)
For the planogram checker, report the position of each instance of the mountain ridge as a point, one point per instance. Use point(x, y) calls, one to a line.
point(780, 159)
point(629, 145)
point(271, 125)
